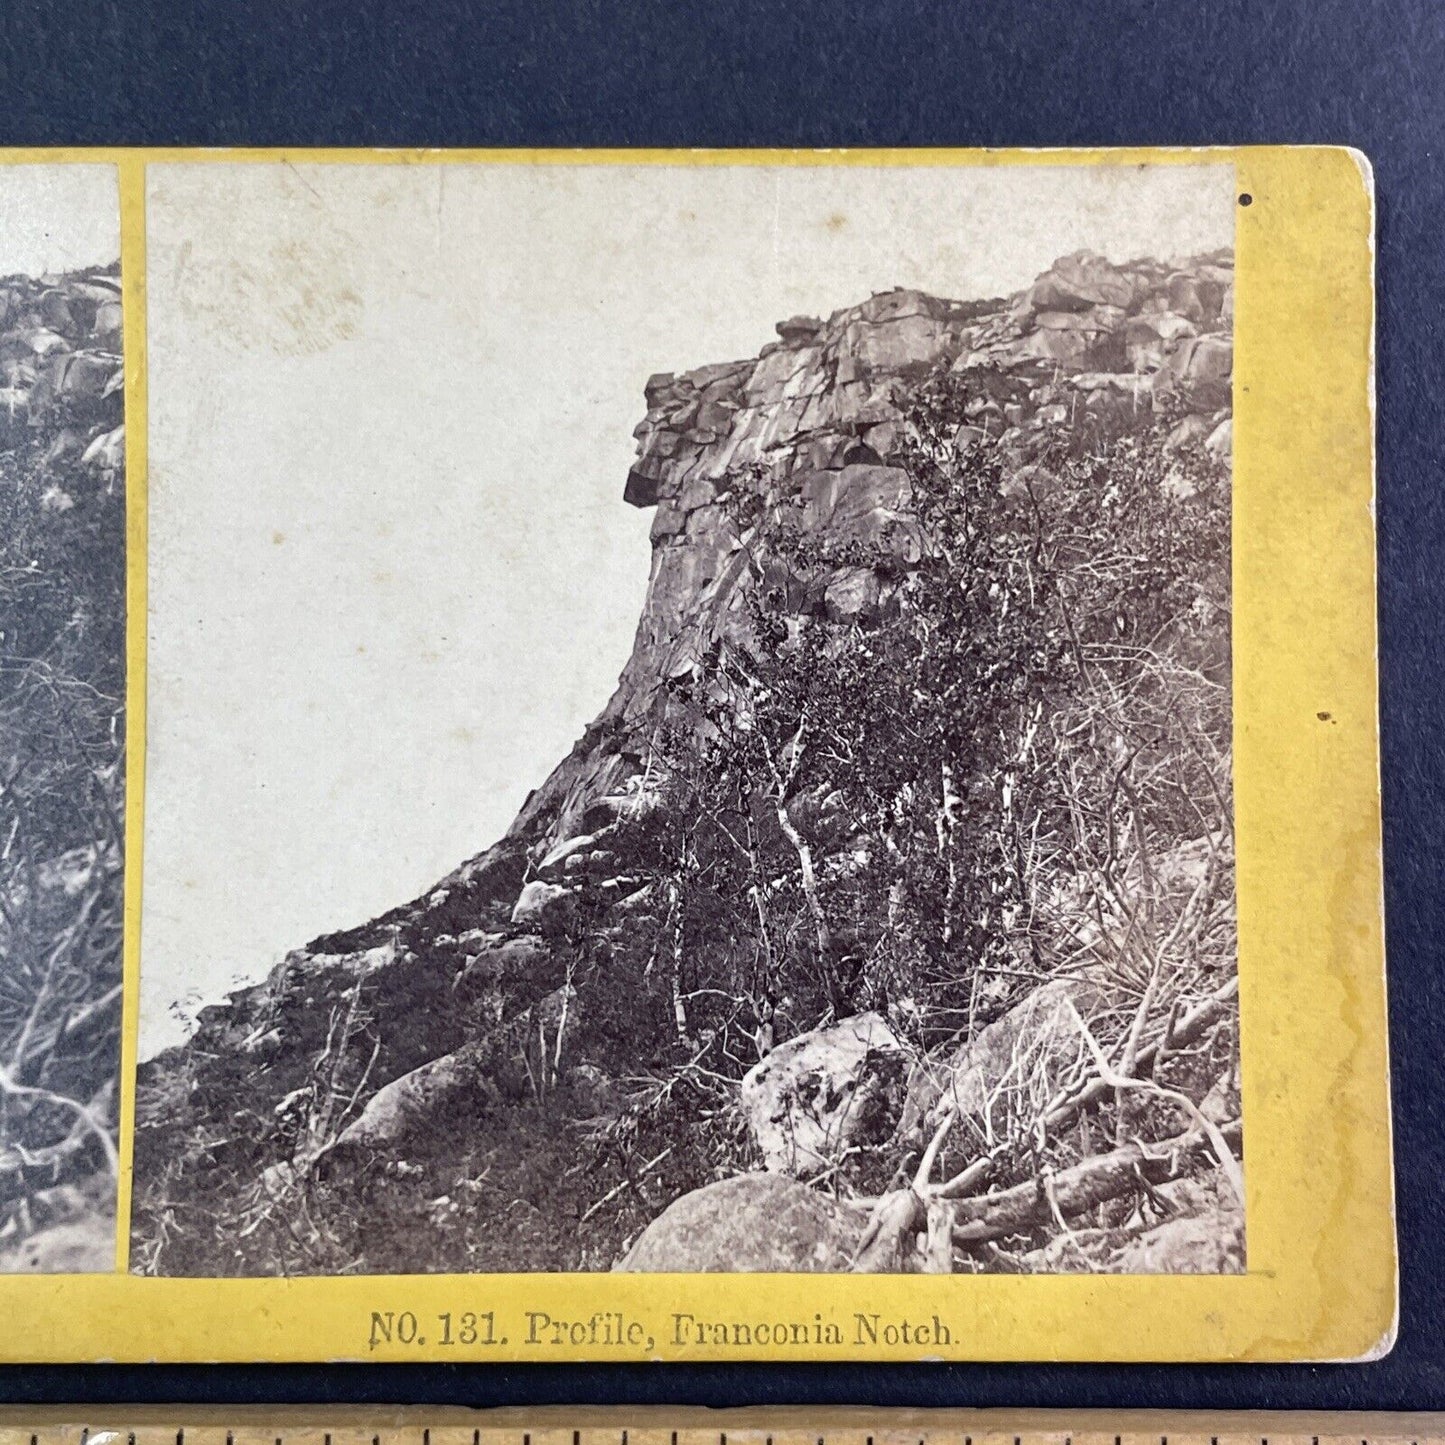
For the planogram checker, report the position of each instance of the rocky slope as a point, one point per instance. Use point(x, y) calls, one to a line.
point(62, 634)
point(390, 1040)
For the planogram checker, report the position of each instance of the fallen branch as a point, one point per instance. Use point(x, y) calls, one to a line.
point(629, 1183)
point(1120, 1084)
point(888, 1237)
point(1080, 1188)
point(1186, 1031)
point(84, 1115)
point(897, 1217)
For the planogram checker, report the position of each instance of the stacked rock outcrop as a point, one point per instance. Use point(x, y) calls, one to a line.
point(821, 411)
point(61, 370)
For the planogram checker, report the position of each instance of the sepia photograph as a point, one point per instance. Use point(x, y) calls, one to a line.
point(62, 715)
point(689, 722)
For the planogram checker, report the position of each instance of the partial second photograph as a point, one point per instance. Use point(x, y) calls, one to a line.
point(62, 715)
point(689, 720)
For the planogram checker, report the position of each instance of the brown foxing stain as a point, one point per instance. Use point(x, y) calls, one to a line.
point(277, 538)
point(288, 294)
point(284, 303)
point(836, 221)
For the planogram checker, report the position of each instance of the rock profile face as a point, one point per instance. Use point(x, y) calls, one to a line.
point(822, 409)
point(816, 428)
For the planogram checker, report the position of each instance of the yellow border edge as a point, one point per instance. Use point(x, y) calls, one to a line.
point(133, 314)
point(1307, 761)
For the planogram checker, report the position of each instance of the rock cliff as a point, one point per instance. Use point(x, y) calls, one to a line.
point(815, 426)
point(822, 409)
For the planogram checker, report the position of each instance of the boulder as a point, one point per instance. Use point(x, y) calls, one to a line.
point(1133, 386)
point(642, 488)
point(55, 312)
point(1203, 367)
point(1188, 298)
point(44, 342)
point(852, 594)
point(106, 328)
point(798, 329)
point(1151, 339)
point(439, 1095)
point(1036, 1043)
point(658, 387)
point(564, 849)
point(898, 303)
point(511, 961)
point(667, 522)
point(538, 901)
point(106, 453)
point(752, 1223)
point(82, 1246)
point(83, 376)
point(1074, 283)
point(824, 1090)
point(1096, 320)
point(1208, 1243)
point(1069, 350)
point(909, 343)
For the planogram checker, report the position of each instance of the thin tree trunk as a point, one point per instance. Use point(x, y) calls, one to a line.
point(679, 1011)
point(810, 883)
point(947, 824)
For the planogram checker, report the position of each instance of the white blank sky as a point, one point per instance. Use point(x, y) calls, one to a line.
point(391, 572)
point(57, 217)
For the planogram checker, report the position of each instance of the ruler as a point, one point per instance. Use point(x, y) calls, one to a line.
point(288, 1425)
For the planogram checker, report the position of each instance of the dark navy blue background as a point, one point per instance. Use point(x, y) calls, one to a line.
point(810, 72)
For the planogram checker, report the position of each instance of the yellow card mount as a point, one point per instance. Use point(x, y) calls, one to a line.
point(690, 756)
